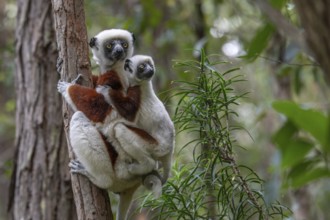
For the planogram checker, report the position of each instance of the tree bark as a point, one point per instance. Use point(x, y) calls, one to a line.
point(315, 19)
point(91, 202)
point(40, 187)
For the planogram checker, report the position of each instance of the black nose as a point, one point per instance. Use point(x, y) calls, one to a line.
point(149, 73)
point(145, 75)
point(118, 53)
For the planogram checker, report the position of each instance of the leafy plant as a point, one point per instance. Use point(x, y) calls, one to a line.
point(213, 185)
point(304, 143)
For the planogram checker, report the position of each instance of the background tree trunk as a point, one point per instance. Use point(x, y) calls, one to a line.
point(315, 19)
point(40, 186)
point(91, 202)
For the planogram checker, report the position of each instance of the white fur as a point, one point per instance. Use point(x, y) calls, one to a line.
point(91, 150)
point(106, 64)
point(92, 153)
point(98, 50)
point(88, 145)
point(153, 118)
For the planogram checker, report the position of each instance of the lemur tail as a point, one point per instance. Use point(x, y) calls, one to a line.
point(152, 181)
point(167, 164)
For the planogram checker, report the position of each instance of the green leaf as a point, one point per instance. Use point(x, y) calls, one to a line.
point(259, 41)
point(306, 172)
point(277, 3)
point(293, 149)
point(285, 133)
point(310, 120)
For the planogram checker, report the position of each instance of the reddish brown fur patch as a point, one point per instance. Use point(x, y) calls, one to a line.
point(94, 105)
point(143, 134)
point(91, 103)
point(94, 80)
point(111, 79)
point(127, 105)
point(113, 154)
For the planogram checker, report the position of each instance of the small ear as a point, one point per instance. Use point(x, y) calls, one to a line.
point(133, 36)
point(127, 66)
point(92, 42)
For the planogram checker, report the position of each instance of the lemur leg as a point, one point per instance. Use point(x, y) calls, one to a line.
point(136, 147)
point(125, 199)
point(90, 150)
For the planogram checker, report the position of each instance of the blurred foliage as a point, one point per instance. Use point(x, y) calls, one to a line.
point(7, 98)
point(304, 143)
point(7, 13)
point(273, 66)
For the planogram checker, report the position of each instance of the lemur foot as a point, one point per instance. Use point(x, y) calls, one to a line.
point(77, 167)
point(62, 86)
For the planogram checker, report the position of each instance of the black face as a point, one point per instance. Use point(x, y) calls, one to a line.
point(145, 70)
point(115, 49)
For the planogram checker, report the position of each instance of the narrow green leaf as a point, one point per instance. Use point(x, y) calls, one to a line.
point(259, 41)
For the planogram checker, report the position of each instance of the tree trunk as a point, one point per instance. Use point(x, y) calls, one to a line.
point(315, 19)
point(91, 202)
point(40, 187)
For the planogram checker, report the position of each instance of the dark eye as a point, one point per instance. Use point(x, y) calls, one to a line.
point(125, 45)
point(141, 67)
point(109, 46)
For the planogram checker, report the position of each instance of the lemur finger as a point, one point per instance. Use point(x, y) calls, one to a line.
point(75, 164)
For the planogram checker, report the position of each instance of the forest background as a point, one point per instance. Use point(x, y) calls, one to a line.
point(282, 50)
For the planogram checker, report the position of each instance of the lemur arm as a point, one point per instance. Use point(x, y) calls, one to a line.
point(126, 105)
point(85, 99)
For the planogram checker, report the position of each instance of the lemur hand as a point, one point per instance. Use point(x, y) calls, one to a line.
point(62, 86)
point(104, 90)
